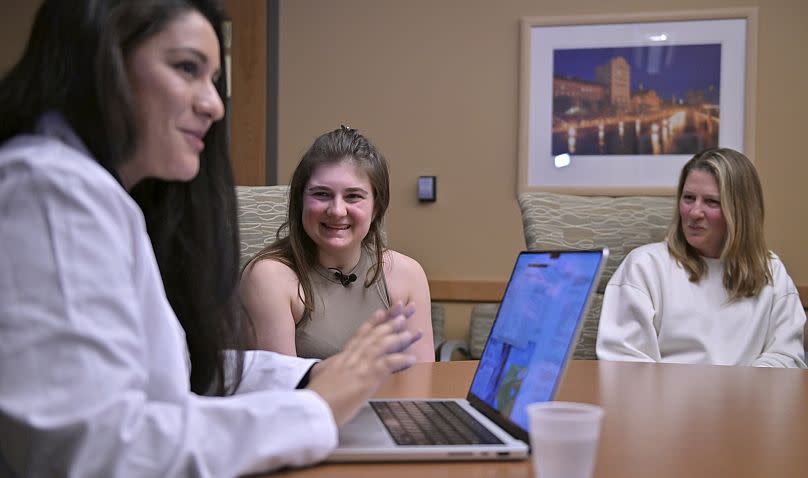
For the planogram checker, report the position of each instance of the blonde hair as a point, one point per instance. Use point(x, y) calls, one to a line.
point(744, 253)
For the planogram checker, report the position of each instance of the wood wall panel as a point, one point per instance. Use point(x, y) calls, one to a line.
point(248, 100)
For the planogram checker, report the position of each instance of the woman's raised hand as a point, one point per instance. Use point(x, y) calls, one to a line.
point(347, 379)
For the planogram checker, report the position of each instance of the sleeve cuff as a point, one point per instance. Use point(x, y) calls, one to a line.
point(265, 370)
point(305, 380)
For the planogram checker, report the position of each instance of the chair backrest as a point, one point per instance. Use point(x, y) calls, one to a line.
point(261, 211)
point(563, 221)
point(438, 312)
point(480, 323)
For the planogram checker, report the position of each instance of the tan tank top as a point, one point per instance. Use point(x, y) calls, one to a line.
point(338, 310)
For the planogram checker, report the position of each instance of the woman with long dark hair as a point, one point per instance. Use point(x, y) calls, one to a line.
point(119, 265)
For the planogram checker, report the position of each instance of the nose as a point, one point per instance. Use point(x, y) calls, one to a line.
point(337, 207)
point(209, 103)
point(697, 211)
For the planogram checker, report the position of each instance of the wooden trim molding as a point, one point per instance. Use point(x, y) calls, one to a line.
point(466, 290)
point(491, 291)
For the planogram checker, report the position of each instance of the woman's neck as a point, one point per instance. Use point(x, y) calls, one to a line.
point(345, 262)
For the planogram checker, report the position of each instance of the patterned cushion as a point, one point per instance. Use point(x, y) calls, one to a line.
point(438, 323)
point(482, 319)
point(562, 221)
point(261, 211)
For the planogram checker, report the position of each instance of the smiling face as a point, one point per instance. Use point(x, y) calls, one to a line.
point(173, 75)
point(703, 222)
point(337, 212)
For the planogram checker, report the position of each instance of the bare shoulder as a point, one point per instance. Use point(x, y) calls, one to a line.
point(398, 265)
point(406, 279)
point(407, 283)
point(269, 273)
point(269, 291)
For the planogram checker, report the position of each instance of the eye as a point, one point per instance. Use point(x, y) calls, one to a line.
point(320, 194)
point(713, 202)
point(187, 67)
point(687, 197)
point(354, 197)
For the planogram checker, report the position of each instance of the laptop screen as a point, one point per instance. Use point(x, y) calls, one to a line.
point(535, 331)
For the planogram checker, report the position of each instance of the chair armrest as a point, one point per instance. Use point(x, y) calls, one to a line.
point(446, 349)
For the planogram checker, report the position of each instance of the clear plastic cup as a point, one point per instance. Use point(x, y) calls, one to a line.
point(564, 438)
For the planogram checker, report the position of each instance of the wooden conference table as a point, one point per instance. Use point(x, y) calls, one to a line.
point(662, 420)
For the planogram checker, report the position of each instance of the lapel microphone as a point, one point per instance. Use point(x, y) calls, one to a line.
point(344, 279)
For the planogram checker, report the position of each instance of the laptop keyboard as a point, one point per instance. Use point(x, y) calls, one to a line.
point(432, 423)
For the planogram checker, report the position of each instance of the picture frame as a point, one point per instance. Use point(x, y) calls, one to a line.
point(616, 104)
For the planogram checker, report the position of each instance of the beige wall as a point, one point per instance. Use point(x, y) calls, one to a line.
point(435, 84)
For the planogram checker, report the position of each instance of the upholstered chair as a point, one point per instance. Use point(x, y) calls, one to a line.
point(261, 211)
point(480, 322)
point(563, 221)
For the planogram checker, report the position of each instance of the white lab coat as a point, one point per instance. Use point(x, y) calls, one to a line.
point(94, 371)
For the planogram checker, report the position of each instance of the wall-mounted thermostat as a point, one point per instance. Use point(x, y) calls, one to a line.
point(427, 188)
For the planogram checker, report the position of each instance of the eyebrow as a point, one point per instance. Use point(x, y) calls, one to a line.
point(708, 196)
point(319, 187)
point(198, 54)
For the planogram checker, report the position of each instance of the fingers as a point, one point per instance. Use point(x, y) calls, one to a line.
point(399, 308)
point(409, 310)
point(381, 316)
point(378, 317)
point(395, 310)
point(400, 342)
point(382, 334)
point(389, 337)
point(385, 333)
point(398, 362)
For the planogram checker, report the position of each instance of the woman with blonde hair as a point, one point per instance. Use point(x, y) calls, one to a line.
point(712, 292)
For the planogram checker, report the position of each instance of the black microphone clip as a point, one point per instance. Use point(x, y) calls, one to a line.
point(344, 279)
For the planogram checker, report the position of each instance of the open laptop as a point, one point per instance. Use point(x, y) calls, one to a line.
point(533, 337)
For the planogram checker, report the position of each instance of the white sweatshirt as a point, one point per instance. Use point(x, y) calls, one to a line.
point(653, 313)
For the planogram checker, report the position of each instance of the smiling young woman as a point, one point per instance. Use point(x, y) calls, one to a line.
point(712, 293)
point(334, 266)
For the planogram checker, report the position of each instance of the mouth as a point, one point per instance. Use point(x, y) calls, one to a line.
point(336, 227)
point(196, 139)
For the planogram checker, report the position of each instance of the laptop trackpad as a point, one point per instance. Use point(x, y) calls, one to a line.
point(365, 430)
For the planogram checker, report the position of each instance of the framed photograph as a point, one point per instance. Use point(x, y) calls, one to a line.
point(616, 105)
